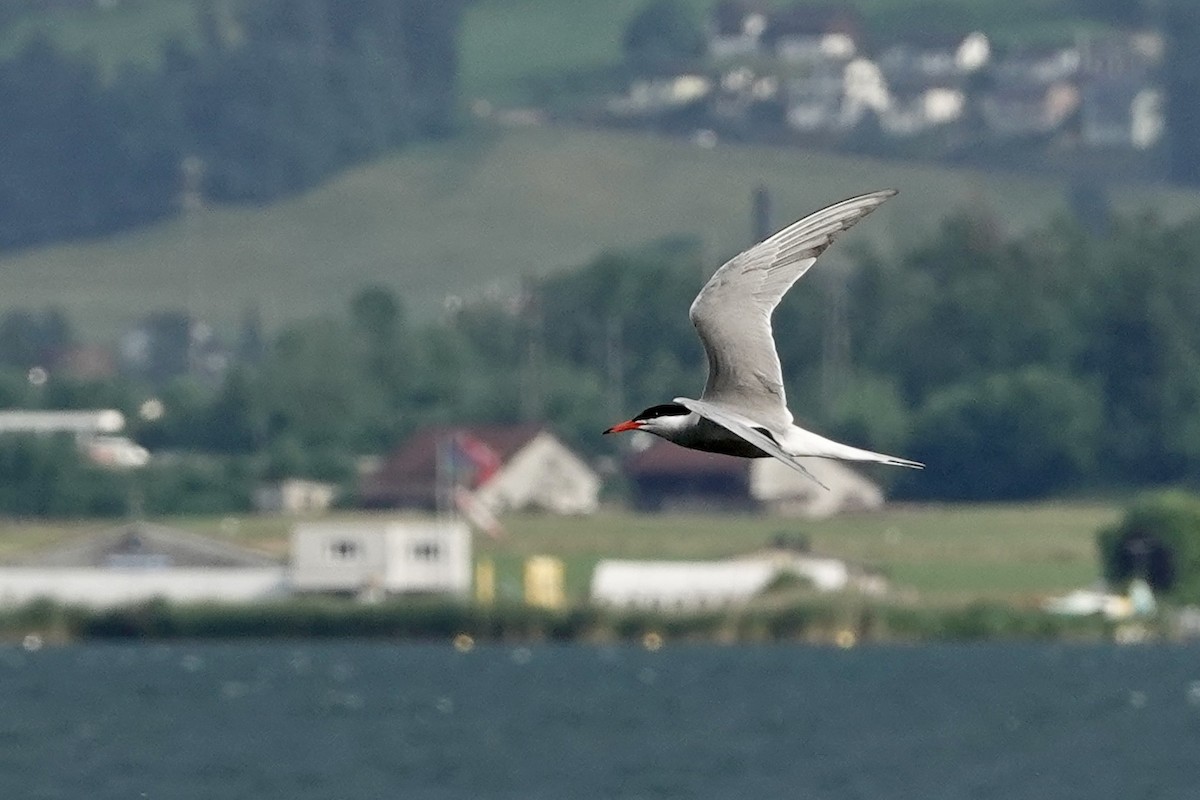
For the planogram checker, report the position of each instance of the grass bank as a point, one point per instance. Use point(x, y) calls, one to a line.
point(843, 622)
point(937, 555)
point(957, 572)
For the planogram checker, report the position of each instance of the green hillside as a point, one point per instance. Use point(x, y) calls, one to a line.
point(482, 212)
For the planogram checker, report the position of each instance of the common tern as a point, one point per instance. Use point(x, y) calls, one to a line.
point(743, 411)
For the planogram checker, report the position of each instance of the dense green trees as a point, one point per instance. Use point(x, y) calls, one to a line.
point(46, 476)
point(72, 158)
point(279, 95)
point(664, 33)
point(1158, 541)
point(1016, 367)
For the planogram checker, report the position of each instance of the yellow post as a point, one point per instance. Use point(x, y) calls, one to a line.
point(544, 582)
point(485, 582)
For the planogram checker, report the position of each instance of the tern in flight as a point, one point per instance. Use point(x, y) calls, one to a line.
point(742, 411)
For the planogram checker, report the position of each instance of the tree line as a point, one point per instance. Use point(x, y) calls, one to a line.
point(274, 97)
point(1027, 366)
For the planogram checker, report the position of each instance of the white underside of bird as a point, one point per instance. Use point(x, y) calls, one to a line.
point(743, 410)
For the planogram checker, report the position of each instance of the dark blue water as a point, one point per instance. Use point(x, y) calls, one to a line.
point(376, 720)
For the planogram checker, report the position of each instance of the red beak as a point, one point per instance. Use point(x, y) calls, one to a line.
point(631, 425)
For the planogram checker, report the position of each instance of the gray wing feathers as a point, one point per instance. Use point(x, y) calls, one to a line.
point(732, 313)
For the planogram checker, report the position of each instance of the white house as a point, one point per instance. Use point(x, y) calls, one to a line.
point(864, 89)
point(294, 496)
point(378, 558)
point(785, 491)
point(504, 468)
point(919, 102)
point(139, 562)
point(544, 475)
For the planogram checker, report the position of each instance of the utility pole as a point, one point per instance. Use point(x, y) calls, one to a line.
point(761, 215)
point(533, 369)
point(835, 333)
point(614, 366)
point(835, 339)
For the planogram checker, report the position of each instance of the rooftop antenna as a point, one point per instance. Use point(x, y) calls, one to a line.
point(533, 368)
point(761, 215)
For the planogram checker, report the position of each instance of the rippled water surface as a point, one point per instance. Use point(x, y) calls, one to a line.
point(384, 720)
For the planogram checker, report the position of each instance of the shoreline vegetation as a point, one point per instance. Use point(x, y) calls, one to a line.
point(818, 622)
point(956, 573)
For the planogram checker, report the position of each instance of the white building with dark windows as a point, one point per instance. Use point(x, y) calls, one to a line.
point(374, 559)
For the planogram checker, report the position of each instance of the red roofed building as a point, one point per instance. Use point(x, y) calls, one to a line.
point(504, 467)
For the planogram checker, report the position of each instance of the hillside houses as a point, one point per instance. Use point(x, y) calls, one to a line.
point(811, 71)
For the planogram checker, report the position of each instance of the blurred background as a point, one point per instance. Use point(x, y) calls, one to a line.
point(299, 256)
point(312, 312)
point(304, 230)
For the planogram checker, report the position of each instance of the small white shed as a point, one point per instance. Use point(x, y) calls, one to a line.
point(695, 585)
point(294, 496)
point(679, 585)
point(374, 558)
point(787, 492)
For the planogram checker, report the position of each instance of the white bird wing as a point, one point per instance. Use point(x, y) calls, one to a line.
point(732, 313)
point(745, 429)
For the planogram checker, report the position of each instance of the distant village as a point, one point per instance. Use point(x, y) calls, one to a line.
point(431, 496)
point(427, 499)
point(807, 73)
point(483, 472)
point(800, 73)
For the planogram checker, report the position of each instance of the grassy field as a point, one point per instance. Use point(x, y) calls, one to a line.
point(487, 209)
point(933, 555)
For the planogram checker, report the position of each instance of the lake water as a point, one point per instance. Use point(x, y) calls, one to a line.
point(294, 720)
